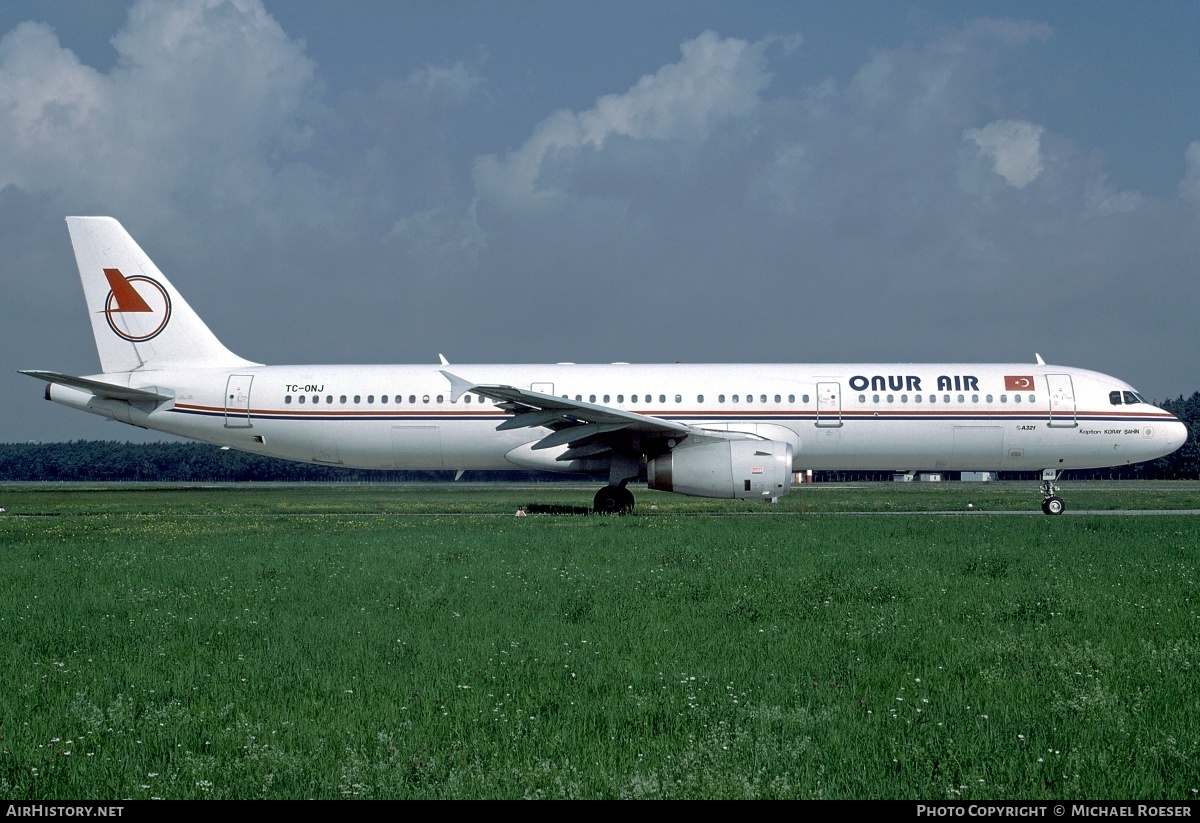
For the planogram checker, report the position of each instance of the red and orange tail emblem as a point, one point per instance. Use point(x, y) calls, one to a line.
point(126, 297)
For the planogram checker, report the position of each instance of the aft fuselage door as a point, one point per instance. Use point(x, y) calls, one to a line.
point(237, 401)
point(829, 405)
point(1062, 400)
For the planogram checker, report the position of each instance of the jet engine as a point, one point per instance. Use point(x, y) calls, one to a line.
point(724, 468)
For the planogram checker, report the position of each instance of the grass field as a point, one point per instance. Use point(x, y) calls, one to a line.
point(371, 641)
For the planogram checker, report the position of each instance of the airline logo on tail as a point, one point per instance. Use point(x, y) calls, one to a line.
point(137, 308)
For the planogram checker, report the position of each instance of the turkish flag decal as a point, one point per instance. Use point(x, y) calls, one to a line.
point(1018, 382)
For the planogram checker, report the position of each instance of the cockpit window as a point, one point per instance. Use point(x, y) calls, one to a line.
point(1126, 397)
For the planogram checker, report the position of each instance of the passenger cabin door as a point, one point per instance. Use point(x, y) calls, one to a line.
point(237, 401)
point(1062, 400)
point(829, 405)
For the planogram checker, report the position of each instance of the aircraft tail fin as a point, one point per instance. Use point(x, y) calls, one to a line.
point(138, 318)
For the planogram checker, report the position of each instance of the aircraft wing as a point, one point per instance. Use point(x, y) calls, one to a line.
point(586, 428)
point(100, 388)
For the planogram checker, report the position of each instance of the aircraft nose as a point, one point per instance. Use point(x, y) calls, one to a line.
point(1177, 434)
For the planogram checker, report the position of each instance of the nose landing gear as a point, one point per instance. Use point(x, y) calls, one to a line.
point(1051, 502)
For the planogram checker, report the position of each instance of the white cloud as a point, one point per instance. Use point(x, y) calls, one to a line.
point(714, 81)
point(45, 97)
point(207, 97)
point(1014, 148)
point(1101, 200)
point(1189, 187)
point(458, 82)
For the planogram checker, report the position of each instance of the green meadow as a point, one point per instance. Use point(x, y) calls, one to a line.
point(421, 642)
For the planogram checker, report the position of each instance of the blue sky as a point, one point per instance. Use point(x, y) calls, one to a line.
point(640, 181)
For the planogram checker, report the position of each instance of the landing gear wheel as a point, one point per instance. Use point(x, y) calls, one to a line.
point(613, 500)
point(1051, 502)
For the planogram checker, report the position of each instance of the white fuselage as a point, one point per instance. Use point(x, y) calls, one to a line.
point(1016, 417)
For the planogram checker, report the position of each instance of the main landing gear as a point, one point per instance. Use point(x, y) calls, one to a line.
point(613, 500)
point(1051, 502)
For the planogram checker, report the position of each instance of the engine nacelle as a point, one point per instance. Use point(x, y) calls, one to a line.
point(725, 468)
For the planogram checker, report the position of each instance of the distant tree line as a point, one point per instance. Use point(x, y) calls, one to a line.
point(101, 460)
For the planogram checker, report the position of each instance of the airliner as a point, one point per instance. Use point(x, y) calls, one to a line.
point(717, 431)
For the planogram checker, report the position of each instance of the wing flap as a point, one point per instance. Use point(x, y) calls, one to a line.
point(577, 435)
point(559, 412)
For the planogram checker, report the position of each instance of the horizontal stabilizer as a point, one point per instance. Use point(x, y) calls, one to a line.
point(102, 389)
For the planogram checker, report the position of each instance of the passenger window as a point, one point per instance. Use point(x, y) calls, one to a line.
point(329, 398)
point(358, 398)
point(383, 398)
point(647, 398)
point(412, 398)
point(720, 398)
point(1004, 398)
point(440, 398)
point(989, 398)
point(862, 398)
point(620, 398)
point(300, 399)
point(791, 398)
point(962, 399)
point(805, 398)
point(467, 399)
point(904, 398)
point(777, 398)
point(974, 398)
point(1016, 398)
point(699, 398)
point(662, 398)
point(606, 398)
point(316, 398)
point(735, 398)
point(424, 399)
point(370, 398)
point(591, 398)
point(679, 398)
point(916, 398)
point(342, 399)
point(933, 398)
point(874, 398)
point(762, 398)
point(287, 399)
point(891, 398)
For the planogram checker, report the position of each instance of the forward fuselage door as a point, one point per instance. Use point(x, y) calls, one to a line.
point(1062, 400)
point(237, 401)
point(829, 405)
